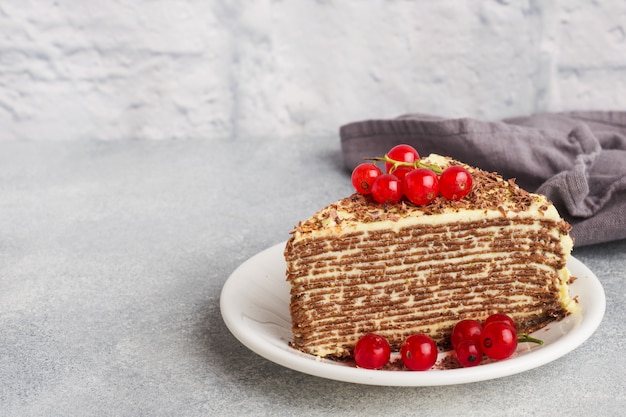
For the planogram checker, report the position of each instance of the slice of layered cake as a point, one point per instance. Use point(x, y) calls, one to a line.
point(358, 266)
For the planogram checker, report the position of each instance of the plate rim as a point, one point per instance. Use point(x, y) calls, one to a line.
point(309, 364)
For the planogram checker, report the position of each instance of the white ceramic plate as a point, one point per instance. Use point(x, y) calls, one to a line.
point(255, 306)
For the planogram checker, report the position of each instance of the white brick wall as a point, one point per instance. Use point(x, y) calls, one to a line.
point(141, 69)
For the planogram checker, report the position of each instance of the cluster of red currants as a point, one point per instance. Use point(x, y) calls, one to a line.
point(418, 352)
point(496, 338)
point(407, 176)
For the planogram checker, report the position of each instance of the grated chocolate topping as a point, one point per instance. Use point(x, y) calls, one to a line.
point(489, 192)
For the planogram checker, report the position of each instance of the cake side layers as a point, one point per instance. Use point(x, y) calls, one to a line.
point(423, 279)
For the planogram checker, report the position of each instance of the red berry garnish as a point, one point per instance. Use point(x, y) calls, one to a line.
point(468, 353)
point(402, 171)
point(419, 352)
point(363, 176)
point(466, 330)
point(498, 340)
point(421, 186)
point(500, 317)
point(455, 182)
point(387, 189)
point(372, 351)
point(401, 153)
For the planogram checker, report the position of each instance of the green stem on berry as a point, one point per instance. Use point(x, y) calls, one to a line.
point(523, 337)
point(416, 164)
point(432, 167)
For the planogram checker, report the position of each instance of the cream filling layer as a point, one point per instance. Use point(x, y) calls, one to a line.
point(343, 221)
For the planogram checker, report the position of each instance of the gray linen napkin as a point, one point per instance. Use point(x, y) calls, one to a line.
point(577, 159)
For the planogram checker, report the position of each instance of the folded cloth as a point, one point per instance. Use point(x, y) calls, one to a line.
point(576, 159)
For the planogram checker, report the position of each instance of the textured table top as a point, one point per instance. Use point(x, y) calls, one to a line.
point(113, 256)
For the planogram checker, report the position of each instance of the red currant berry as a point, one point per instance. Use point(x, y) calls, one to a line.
point(401, 153)
point(387, 189)
point(419, 352)
point(363, 176)
point(468, 353)
point(455, 182)
point(421, 186)
point(372, 351)
point(466, 330)
point(498, 340)
point(500, 317)
point(402, 172)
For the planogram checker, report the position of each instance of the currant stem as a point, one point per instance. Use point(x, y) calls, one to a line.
point(416, 164)
point(523, 337)
point(434, 168)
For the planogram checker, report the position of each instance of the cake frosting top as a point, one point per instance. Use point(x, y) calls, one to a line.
point(491, 196)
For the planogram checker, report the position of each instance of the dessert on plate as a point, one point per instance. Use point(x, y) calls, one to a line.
point(419, 256)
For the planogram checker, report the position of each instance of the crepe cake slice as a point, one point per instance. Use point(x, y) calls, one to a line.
point(357, 266)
